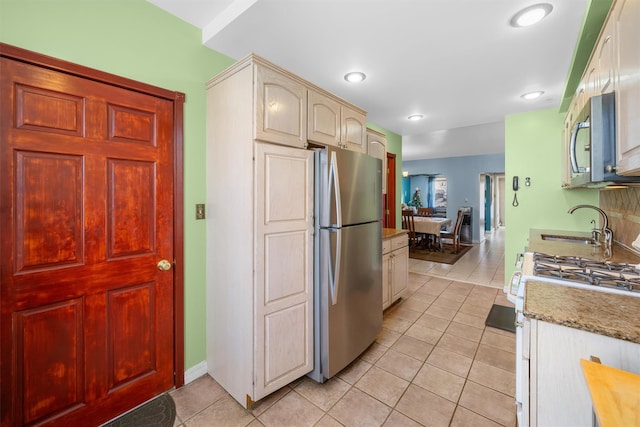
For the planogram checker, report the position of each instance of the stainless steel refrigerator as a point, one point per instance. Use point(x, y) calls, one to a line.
point(348, 258)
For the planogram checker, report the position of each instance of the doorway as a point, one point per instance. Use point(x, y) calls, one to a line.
point(491, 202)
point(91, 218)
point(389, 218)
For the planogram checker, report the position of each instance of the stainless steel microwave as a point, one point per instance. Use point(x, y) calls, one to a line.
point(592, 148)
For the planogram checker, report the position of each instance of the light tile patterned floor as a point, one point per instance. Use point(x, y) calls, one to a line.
point(434, 364)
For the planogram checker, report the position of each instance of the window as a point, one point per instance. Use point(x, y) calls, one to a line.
point(440, 195)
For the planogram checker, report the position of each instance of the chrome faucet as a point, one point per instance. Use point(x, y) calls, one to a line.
point(605, 232)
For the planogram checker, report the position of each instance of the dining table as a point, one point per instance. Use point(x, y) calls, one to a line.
point(430, 225)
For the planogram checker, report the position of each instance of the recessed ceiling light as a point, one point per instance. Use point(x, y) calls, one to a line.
point(415, 117)
point(531, 15)
point(355, 77)
point(532, 95)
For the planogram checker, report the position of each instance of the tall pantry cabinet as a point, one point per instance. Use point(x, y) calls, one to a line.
point(259, 230)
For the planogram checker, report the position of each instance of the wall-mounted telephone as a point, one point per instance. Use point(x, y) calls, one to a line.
point(516, 187)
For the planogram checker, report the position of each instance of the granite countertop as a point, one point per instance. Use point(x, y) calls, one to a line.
point(599, 312)
point(388, 233)
point(618, 253)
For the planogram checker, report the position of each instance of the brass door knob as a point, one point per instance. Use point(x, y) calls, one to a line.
point(164, 265)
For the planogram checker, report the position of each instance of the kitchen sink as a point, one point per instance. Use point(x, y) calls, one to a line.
point(570, 239)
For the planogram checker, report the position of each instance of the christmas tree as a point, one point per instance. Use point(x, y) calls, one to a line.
point(416, 201)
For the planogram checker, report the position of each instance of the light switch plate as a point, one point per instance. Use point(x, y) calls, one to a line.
point(200, 211)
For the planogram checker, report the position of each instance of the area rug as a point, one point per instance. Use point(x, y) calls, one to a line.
point(501, 317)
point(159, 412)
point(446, 256)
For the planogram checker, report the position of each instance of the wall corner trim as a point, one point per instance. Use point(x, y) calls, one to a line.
point(195, 372)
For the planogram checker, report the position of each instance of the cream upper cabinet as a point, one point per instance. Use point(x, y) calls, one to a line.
point(605, 60)
point(626, 18)
point(377, 147)
point(324, 119)
point(564, 158)
point(354, 130)
point(281, 108)
point(614, 66)
point(331, 122)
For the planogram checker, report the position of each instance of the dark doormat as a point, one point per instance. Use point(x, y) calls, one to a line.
point(446, 256)
point(159, 412)
point(502, 317)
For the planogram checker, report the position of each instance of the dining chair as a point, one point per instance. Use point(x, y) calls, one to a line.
point(409, 225)
point(454, 233)
point(425, 211)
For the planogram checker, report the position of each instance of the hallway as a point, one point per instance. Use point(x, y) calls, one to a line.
point(482, 265)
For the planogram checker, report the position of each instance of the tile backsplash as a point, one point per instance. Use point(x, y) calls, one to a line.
point(622, 206)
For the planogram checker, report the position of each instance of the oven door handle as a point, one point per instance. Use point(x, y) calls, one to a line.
point(508, 288)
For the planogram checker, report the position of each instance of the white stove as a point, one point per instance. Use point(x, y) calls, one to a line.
point(585, 273)
point(579, 272)
point(610, 275)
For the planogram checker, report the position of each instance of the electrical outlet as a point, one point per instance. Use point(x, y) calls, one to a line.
point(200, 211)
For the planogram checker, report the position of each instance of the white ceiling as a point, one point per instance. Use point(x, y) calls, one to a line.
point(458, 62)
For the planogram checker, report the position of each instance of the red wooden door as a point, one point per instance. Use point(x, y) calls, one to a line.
point(390, 207)
point(86, 214)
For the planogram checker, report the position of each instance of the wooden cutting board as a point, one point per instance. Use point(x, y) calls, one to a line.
point(615, 394)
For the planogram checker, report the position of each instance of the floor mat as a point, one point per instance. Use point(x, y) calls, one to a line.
point(159, 412)
point(502, 317)
point(446, 256)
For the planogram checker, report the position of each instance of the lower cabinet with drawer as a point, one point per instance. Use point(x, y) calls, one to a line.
point(395, 268)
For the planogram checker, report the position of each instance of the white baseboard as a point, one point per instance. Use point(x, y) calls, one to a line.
point(195, 372)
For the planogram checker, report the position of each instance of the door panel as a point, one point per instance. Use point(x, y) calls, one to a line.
point(49, 197)
point(49, 341)
point(86, 213)
point(284, 266)
point(131, 203)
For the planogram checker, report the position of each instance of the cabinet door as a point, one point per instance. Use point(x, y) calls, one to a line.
point(281, 108)
point(386, 278)
point(561, 394)
point(566, 140)
point(626, 14)
point(323, 119)
point(400, 268)
point(377, 147)
point(283, 302)
point(592, 82)
point(606, 59)
point(354, 130)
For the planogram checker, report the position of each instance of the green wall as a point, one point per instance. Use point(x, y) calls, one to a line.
point(135, 39)
point(394, 145)
point(533, 144)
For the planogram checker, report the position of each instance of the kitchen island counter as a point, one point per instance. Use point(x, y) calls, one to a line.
point(599, 312)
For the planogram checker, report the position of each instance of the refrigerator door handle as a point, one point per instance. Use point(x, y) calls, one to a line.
point(334, 184)
point(334, 267)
